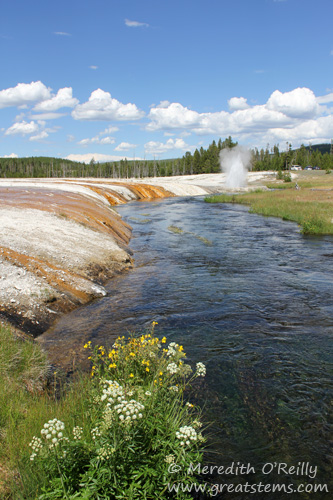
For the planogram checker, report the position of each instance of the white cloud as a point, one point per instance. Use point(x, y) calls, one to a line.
point(283, 113)
point(97, 140)
point(109, 130)
point(47, 116)
point(325, 99)
point(97, 157)
point(299, 103)
point(154, 147)
point(101, 106)
point(22, 128)
point(93, 67)
point(23, 94)
point(39, 137)
point(236, 103)
point(63, 99)
point(135, 24)
point(12, 155)
point(62, 33)
point(172, 116)
point(125, 146)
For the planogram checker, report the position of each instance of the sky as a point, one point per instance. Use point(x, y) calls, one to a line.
point(113, 79)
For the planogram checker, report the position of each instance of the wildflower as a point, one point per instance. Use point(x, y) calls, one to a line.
point(160, 374)
point(147, 369)
point(52, 431)
point(87, 345)
point(173, 388)
point(163, 340)
point(77, 432)
point(36, 444)
point(105, 452)
point(201, 370)
point(131, 375)
point(129, 411)
point(95, 432)
point(186, 434)
point(112, 365)
point(148, 393)
point(132, 354)
point(172, 368)
point(189, 405)
point(170, 459)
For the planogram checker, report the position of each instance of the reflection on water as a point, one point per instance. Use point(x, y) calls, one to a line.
point(256, 305)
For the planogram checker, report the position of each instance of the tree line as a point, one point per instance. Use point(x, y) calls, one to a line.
point(199, 162)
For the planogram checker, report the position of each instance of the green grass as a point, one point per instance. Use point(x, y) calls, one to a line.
point(311, 206)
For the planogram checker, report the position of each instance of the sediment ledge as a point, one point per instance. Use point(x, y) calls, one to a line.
point(61, 239)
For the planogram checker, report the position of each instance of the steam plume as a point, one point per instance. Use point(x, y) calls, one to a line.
point(235, 162)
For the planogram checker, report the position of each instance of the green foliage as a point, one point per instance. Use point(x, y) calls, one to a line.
point(134, 427)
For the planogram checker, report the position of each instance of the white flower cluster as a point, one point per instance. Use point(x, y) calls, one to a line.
point(105, 452)
point(77, 432)
point(129, 410)
point(52, 431)
point(201, 370)
point(173, 388)
point(95, 432)
point(172, 349)
point(148, 393)
point(172, 368)
point(112, 391)
point(170, 459)
point(36, 444)
point(186, 434)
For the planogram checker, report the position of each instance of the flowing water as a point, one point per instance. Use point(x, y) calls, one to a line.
point(253, 299)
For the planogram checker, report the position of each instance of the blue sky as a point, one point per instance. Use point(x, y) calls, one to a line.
point(111, 79)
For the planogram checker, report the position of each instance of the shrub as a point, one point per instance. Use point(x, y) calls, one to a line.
point(136, 427)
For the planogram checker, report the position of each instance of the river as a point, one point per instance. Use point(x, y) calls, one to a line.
point(253, 299)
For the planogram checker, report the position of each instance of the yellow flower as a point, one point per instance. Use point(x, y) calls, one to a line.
point(161, 373)
point(163, 340)
point(181, 348)
point(87, 345)
point(113, 365)
point(131, 375)
point(132, 353)
point(147, 369)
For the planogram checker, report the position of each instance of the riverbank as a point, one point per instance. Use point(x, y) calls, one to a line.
point(61, 239)
point(311, 206)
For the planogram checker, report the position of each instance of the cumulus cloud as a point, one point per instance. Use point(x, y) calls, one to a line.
point(135, 24)
point(282, 112)
point(299, 103)
point(172, 116)
point(22, 128)
point(236, 103)
point(155, 147)
point(97, 157)
point(101, 106)
point(24, 94)
point(125, 146)
point(63, 99)
point(12, 155)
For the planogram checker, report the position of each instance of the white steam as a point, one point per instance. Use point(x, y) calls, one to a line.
point(235, 162)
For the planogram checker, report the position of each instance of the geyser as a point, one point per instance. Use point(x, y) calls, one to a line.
point(235, 163)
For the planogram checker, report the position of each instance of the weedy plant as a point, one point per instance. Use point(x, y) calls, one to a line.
point(136, 429)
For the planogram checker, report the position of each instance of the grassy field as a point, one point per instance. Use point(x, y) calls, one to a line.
point(311, 206)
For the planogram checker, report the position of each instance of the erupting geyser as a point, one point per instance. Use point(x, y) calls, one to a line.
point(235, 162)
